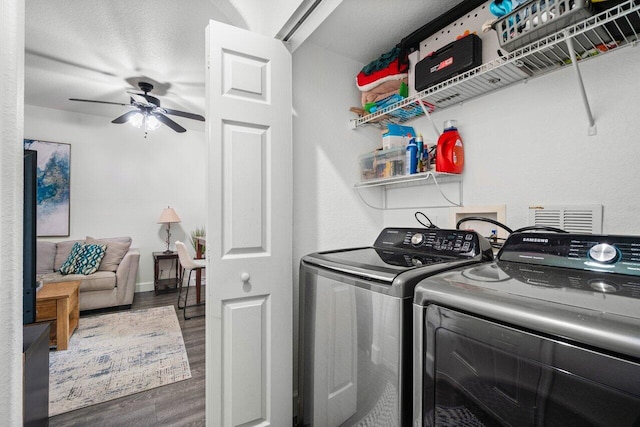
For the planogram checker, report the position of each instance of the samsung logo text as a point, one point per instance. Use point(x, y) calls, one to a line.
point(535, 240)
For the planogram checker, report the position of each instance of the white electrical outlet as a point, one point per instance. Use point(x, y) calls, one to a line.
point(494, 212)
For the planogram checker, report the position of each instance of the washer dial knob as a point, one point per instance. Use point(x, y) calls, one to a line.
point(603, 252)
point(417, 239)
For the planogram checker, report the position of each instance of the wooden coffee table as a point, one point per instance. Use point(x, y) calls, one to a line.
point(59, 303)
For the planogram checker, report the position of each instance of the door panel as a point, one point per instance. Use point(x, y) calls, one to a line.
point(246, 344)
point(249, 227)
point(245, 76)
point(245, 148)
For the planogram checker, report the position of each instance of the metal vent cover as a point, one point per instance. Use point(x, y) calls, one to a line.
point(574, 219)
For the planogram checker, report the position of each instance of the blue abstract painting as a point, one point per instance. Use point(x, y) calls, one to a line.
point(53, 176)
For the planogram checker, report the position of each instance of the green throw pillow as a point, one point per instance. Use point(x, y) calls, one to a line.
point(69, 265)
point(89, 259)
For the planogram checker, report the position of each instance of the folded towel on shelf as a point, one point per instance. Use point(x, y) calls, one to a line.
point(366, 82)
point(381, 62)
point(372, 107)
point(383, 91)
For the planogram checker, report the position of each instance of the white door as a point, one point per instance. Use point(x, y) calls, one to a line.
point(249, 229)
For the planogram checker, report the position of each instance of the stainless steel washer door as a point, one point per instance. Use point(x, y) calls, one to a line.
point(491, 374)
point(351, 352)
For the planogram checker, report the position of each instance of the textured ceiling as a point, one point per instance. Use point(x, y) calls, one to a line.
point(98, 49)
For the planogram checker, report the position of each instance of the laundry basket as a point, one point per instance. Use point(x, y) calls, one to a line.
point(537, 19)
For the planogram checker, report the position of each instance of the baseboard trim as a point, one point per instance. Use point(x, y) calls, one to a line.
point(144, 287)
point(148, 286)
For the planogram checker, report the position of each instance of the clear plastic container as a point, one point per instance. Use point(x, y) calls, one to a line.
point(381, 164)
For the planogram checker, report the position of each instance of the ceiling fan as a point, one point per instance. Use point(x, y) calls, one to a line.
point(147, 111)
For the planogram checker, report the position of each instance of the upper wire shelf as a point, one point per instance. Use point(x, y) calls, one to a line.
point(609, 30)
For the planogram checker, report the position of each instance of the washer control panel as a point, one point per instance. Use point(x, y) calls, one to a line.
point(615, 254)
point(430, 240)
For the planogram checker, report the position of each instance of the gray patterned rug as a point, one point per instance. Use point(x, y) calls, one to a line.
point(115, 355)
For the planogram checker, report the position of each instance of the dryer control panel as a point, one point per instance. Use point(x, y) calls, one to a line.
point(434, 241)
point(613, 254)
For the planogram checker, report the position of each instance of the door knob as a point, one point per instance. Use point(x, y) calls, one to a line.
point(245, 277)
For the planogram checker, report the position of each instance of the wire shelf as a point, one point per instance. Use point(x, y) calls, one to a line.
point(405, 180)
point(609, 30)
point(430, 177)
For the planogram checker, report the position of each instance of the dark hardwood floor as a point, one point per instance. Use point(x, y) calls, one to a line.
point(177, 404)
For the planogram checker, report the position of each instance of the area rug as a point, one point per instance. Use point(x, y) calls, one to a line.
point(115, 355)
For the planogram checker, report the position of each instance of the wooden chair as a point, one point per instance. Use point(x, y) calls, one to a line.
point(188, 264)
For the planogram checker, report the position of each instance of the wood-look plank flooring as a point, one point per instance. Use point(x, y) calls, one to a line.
point(177, 404)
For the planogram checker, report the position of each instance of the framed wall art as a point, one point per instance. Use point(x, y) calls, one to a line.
point(53, 182)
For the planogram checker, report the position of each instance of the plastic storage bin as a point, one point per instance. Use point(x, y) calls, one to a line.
point(537, 19)
point(382, 164)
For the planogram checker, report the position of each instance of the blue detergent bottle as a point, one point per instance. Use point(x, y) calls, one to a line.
point(411, 161)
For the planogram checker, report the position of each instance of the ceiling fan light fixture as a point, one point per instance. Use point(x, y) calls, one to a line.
point(152, 122)
point(136, 120)
point(146, 111)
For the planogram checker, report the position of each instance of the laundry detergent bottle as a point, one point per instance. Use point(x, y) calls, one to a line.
point(450, 152)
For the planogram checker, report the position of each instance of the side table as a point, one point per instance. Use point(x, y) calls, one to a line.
point(165, 285)
point(59, 303)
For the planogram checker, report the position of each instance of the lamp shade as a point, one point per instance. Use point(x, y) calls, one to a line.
point(168, 216)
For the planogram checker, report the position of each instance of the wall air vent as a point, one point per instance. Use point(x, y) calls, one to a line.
point(574, 219)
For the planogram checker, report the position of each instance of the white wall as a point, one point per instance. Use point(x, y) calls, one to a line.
point(528, 145)
point(326, 211)
point(120, 181)
point(11, 179)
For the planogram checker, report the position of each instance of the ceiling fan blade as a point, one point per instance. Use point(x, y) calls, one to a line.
point(184, 114)
point(138, 97)
point(167, 121)
point(145, 98)
point(125, 117)
point(97, 102)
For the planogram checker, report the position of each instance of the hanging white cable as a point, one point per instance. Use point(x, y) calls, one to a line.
point(585, 100)
point(426, 113)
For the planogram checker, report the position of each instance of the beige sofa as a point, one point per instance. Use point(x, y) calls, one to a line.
point(113, 285)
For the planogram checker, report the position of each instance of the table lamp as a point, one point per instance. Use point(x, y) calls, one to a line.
point(168, 216)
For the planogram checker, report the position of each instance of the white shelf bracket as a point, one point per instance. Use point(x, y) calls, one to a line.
point(574, 62)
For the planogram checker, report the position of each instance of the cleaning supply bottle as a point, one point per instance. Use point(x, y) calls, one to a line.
point(420, 148)
point(426, 159)
point(450, 152)
point(411, 160)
